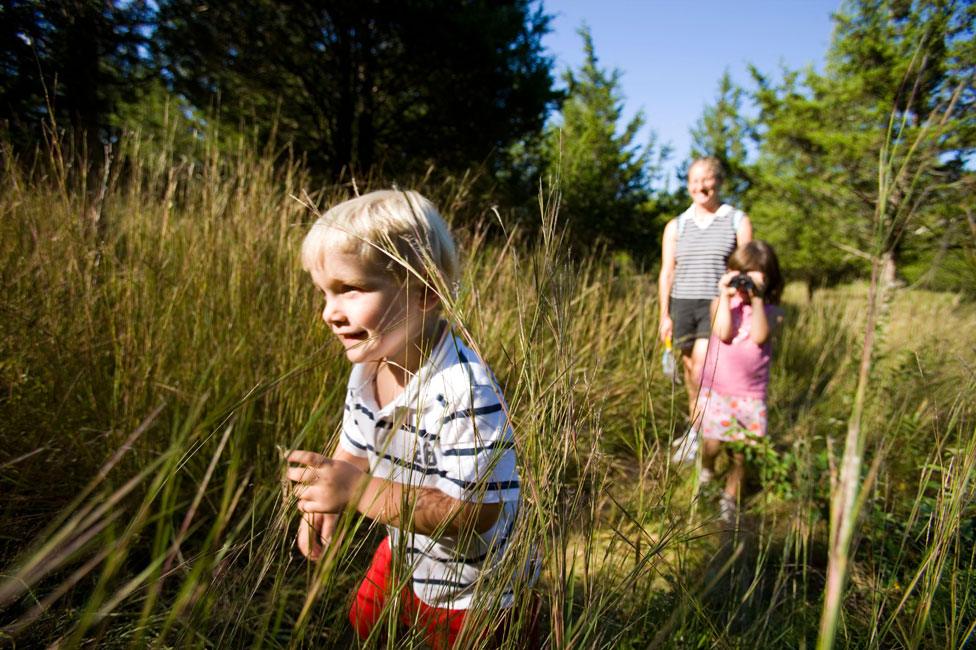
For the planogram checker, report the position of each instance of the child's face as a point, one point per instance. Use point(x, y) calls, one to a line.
point(758, 278)
point(370, 311)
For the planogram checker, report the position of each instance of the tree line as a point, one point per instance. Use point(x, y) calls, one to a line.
point(392, 89)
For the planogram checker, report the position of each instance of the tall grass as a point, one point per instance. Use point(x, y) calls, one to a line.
point(906, 155)
point(161, 347)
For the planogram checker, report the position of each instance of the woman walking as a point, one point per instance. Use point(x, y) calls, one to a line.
point(694, 251)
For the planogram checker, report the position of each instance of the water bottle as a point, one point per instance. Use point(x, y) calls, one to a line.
point(668, 364)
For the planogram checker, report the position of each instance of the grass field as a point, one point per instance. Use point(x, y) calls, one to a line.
point(161, 347)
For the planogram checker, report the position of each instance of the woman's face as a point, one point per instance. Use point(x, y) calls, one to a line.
point(703, 186)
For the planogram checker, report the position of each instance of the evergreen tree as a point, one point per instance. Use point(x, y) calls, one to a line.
point(604, 176)
point(894, 103)
point(359, 83)
point(722, 131)
point(71, 62)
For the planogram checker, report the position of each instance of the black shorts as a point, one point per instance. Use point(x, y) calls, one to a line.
point(692, 319)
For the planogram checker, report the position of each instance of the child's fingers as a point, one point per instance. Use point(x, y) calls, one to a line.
point(302, 474)
point(315, 498)
point(309, 507)
point(310, 492)
point(309, 543)
point(306, 457)
point(328, 528)
point(307, 500)
point(319, 506)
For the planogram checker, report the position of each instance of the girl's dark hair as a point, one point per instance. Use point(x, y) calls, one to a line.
point(757, 255)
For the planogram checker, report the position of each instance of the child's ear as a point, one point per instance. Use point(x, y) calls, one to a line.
point(425, 297)
point(429, 298)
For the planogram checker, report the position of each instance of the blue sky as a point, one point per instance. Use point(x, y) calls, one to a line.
point(672, 54)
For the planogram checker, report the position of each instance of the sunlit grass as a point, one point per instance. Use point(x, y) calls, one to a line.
point(161, 345)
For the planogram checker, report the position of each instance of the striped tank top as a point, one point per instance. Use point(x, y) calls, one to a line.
point(702, 253)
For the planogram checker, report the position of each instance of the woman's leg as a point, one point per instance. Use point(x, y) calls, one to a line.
point(694, 362)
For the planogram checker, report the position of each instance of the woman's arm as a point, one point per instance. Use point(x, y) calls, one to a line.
point(665, 279)
point(743, 235)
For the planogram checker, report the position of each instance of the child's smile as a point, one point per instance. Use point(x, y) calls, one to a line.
point(371, 313)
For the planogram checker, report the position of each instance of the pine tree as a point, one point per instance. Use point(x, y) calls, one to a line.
point(603, 174)
point(895, 99)
point(69, 63)
point(722, 131)
point(357, 84)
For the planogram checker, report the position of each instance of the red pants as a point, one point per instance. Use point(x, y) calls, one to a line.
point(441, 626)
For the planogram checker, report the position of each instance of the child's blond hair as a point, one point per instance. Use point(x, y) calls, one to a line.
point(399, 232)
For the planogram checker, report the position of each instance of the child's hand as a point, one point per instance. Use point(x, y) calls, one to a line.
point(723, 284)
point(322, 484)
point(314, 534)
point(759, 280)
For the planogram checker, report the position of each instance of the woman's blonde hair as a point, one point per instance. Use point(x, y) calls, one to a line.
point(713, 164)
point(396, 231)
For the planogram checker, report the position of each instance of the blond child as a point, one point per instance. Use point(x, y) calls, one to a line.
point(426, 448)
point(731, 406)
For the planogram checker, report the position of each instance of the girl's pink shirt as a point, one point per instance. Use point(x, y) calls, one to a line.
point(739, 368)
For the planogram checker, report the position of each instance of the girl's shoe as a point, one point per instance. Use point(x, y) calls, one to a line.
point(727, 509)
point(685, 447)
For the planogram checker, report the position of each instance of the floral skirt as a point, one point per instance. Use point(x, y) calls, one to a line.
point(730, 418)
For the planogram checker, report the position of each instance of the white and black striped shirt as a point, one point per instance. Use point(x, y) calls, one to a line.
point(448, 430)
point(701, 254)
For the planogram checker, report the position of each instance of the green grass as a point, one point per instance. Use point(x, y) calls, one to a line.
point(160, 346)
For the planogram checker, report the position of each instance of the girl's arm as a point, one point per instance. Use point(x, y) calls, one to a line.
point(666, 278)
point(721, 312)
point(760, 330)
